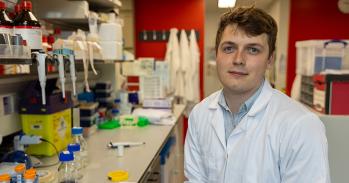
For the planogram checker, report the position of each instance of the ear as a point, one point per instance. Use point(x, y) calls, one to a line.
point(271, 60)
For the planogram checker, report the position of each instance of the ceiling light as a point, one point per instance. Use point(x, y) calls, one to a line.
point(226, 3)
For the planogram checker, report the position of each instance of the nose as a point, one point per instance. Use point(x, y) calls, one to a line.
point(239, 58)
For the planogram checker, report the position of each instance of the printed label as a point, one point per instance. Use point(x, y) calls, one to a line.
point(33, 35)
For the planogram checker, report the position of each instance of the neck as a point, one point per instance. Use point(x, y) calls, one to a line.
point(235, 100)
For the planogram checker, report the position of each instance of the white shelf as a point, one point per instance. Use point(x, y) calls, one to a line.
point(19, 78)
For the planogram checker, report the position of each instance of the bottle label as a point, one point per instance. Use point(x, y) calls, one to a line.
point(31, 34)
point(19, 178)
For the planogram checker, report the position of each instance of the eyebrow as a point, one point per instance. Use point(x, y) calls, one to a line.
point(249, 44)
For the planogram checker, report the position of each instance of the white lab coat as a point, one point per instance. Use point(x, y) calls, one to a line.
point(173, 58)
point(185, 69)
point(277, 141)
point(193, 81)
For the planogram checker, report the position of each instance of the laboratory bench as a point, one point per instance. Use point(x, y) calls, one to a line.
point(141, 162)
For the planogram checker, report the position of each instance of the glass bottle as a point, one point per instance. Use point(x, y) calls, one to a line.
point(28, 26)
point(66, 171)
point(75, 150)
point(79, 139)
point(5, 21)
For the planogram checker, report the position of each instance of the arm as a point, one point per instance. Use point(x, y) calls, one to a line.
point(193, 163)
point(304, 152)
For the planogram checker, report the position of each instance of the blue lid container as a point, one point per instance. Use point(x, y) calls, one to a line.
point(76, 130)
point(73, 147)
point(65, 156)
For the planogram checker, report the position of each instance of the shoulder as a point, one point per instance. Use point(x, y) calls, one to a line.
point(293, 118)
point(207, 102)
point(202, 110)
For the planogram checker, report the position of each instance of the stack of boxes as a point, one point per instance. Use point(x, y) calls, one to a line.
point(103, 93)
point(110, 39)
point(88, 114)
point(315, 57)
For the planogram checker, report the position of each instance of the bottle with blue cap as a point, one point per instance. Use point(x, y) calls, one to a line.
point(77, 163)
point(79, 139)
point(115, 113)
point(66, 171)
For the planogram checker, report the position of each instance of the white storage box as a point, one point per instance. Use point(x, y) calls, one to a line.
point(110, 32)
point(314, 56)
point(111, 50)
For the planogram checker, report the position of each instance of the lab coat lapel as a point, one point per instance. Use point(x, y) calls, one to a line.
point(262, 100)
point(217, 120)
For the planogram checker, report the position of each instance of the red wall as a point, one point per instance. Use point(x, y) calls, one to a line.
point(313, 19)
point(163, 15)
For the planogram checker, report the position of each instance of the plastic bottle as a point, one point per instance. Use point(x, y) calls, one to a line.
point(33, 172)
point(66, 171)
point(79, 139)
point(19, 169)
point(29, 177)
point(5, 178)
point(77, 163)
point(5, 21)
point(28, 26)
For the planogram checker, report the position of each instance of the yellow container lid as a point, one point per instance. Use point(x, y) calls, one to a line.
point(118, 175)
point(29, 176)
point(31, 171)
point(20, 168)
point(5, 177)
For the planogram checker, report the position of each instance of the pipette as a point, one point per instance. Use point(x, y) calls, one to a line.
point(41, 57)
point(61, 72)
point(72, 72)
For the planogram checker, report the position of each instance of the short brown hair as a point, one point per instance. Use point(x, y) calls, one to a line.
point(253, 21)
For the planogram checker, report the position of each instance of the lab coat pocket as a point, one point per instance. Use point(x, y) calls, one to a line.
point(213, 168)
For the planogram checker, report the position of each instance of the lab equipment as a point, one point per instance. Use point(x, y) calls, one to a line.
point(160, 103)
point(5, 21)
point(77, 162)
point(52, 121)
point(125, 144)
point(79, 139)
point(19, 169)
point(28, 26)
point(330, 94)
point(18, 155)
point(66, 171)
point(314, 56)
point(128, 120)
point(121, 145)
point(111, 124)
point(118, 175)
point(29, 177)
point(65, 49)
point(5, 178)
point(61, 73)
point(41, 62)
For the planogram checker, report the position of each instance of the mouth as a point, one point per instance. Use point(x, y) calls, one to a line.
point(237, 73)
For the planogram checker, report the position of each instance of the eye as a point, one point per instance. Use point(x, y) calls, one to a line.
point(253, 50)
point(228, 49)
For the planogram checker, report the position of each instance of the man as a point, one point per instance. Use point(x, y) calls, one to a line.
point(249, 132)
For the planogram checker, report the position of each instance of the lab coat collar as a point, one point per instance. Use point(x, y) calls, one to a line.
point(217, 119)
point(259, 104)
point(263, 99)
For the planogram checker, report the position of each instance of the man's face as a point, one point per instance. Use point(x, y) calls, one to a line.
point(242, 60)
